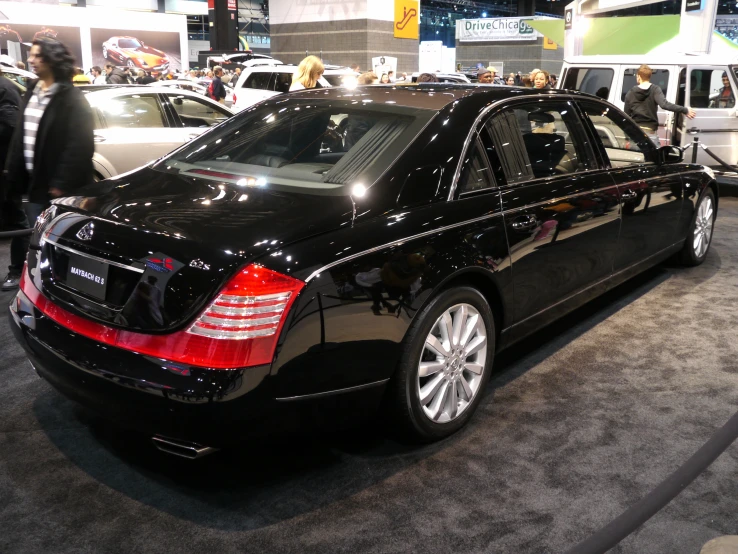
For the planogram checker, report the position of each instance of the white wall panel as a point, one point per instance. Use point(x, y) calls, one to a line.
point(303, 11)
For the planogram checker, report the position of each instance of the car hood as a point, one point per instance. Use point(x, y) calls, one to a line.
point(206, 230)
point(146, 53)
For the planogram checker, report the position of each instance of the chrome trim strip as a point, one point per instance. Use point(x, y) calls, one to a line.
point(332, 392)
point(239, 324)
point(397, 242)
point(91, 257)
point(231, 335)
point(240, 300)
point(277, 308)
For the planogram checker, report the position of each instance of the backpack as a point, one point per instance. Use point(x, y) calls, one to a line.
point(211, 91)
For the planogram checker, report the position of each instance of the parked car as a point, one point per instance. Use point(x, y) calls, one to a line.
point(326, 253)
point(239, 60)
point(137, 124)
point(201, 89)
point(694, 81)
point(260, 82)
point(338, 76)
point(445, 77)
point(20, 77)
point(131, 52)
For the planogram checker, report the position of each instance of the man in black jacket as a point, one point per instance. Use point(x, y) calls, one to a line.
point(115, 76)
point(641, 104)
point(52, 146)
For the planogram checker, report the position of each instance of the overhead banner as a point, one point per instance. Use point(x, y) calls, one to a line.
point(407, 19)
point(496, 29)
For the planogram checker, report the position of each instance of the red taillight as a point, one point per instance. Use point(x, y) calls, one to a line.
point(234, 99)
point(239, 329)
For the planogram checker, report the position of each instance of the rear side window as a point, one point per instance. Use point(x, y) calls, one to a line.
point(258, 80)
point(475, 174)
point(283, 82)
point(540, 140)
point(710, 88)
point(131, 112)
point(660, 77)
point(592, 80)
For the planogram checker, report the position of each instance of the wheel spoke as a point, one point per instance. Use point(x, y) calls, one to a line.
point(445, 326)
point(429, 368)
point(474, 368)
point(428, 392)
point(697, 240)
point(453, 400)
point(435, 346)
point(471, 325)
point(439, 401)
point(475, 345)
point(465, 387)
point(459, 323)
point(708, 213)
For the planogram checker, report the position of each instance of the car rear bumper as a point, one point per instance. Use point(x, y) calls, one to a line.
point(212, 407)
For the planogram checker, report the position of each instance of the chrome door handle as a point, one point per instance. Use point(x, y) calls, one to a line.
point(628, 195)
point(193, 136)
point(525, 222)
point(99, 138)
point(693, 130)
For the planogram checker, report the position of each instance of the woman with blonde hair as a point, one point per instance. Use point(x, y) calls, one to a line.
point(307, 74)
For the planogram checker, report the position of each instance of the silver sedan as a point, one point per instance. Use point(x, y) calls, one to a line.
point(134, 125)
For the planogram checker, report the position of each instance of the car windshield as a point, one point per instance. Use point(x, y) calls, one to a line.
point(306, 143)
point(129, 43)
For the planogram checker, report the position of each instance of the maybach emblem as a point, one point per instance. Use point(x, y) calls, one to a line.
point(86, 232)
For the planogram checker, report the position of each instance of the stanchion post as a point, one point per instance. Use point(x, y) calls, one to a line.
point(695, 144)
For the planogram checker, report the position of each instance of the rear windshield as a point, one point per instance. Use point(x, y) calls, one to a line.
point(323, 144)
point(593, 80)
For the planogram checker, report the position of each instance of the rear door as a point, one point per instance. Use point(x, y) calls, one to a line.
point(560, 207)
point(711, 93)
point(650, 194)
point(133, 130)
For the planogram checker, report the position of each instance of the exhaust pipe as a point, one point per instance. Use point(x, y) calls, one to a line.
point(183, 449)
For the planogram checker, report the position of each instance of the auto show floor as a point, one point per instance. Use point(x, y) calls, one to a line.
point(578, 423)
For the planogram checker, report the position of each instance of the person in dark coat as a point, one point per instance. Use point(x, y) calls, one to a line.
point(115, 76)
point(52, 145)
point(644, 99)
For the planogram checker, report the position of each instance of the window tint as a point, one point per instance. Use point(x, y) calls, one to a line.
point(283, 82)
point(710, 88)
point(196, 113)
point(624, 142)
point(660, 77)
point(131, 112)
point(258, 80)
point(540, 140)
point(597, 81)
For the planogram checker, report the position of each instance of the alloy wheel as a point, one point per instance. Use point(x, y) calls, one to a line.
point(703, 227)
point(105, 53)
point(452, 363)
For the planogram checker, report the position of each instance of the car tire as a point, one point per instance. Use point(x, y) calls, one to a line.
point(129, 63)
point(459, 378)
point(699, 236)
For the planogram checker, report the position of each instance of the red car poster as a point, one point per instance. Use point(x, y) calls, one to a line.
point(24, 35)
point(156, 52)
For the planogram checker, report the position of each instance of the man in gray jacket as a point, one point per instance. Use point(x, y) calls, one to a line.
point(641, 104)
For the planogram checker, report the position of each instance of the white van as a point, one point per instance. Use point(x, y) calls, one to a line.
point(693, 81)
point(260, 82)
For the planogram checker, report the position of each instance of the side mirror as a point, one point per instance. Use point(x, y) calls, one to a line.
point(671, 155)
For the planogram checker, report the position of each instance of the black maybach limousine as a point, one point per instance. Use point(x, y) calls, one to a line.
point(331, 253)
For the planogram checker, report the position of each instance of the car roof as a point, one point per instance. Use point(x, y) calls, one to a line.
point(100, 93)
point(433, 96)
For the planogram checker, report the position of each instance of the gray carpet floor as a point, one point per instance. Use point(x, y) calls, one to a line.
point(578, 423)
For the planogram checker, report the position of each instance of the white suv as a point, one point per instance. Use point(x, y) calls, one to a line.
point(264, 81)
